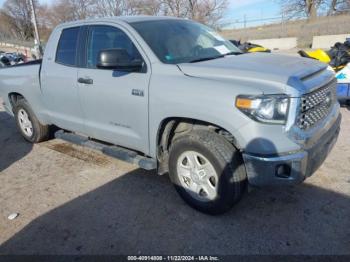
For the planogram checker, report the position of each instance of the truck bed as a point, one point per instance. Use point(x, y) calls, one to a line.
point(23, 79)
point(34, 62)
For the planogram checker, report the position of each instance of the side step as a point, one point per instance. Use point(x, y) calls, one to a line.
point(113, 151)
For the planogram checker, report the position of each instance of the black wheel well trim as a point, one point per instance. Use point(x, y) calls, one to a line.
point(14, 97)
point(173, 126)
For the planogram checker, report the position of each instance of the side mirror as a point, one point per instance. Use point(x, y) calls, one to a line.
point(118, 59)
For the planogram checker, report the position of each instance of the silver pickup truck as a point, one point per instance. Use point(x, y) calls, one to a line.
point(173, 95)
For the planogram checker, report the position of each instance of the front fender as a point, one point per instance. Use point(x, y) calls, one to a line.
point(175, 95)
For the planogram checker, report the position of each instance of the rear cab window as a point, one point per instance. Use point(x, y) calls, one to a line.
point(67, 47)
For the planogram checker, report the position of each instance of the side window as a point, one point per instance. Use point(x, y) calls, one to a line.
point(108, 37)
point(67, 47)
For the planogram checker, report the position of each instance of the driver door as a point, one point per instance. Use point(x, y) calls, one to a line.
point(115, 103)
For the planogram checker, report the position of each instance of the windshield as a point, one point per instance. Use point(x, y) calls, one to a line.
point(183, 41)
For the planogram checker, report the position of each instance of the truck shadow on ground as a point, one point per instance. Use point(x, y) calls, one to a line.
point(12, 145)
point(141, 213)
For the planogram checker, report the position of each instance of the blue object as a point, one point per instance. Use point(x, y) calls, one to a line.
point(343, 91)
point(341, 76)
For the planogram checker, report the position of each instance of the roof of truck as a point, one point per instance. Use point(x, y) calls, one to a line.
point(126, 19)
point(143, 18)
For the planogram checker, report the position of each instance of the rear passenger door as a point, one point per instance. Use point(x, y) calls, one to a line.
point(59, 81)
point(115, 103)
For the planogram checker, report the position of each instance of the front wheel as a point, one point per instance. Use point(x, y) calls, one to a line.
point(207, 171)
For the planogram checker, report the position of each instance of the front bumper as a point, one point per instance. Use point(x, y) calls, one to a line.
point(296, 166)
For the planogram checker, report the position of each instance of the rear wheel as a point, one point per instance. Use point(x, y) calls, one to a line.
point(28, 124)
point(207, 171)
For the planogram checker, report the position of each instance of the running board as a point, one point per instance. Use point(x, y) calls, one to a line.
point(113, 151)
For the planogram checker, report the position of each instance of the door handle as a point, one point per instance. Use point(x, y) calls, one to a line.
point(86, 81)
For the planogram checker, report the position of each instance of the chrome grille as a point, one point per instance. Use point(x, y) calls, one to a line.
point(316, 105)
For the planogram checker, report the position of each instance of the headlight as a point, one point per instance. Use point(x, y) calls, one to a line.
point(271, 109)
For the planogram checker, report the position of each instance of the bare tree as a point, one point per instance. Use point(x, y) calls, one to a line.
point(338, 6)
point(295, 8)
point(178, 8)
point(332, 6)
point(311, 8)
point(81, 9)
point(17, 14)
point(69, 10)
point(344, 6)
point(205, 11)
point(142, 7)
point(6, 29)
point(106, 8)
point(109, 7)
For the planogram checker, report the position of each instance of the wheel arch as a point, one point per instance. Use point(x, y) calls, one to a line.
point(13, 97)
point(171, 127)
point(35, 102)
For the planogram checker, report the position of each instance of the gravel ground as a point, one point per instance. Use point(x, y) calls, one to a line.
point(72, 200)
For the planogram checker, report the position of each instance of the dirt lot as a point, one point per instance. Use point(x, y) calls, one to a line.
point(76, 201)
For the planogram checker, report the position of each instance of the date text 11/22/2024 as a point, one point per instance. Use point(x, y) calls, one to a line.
point(173, 258)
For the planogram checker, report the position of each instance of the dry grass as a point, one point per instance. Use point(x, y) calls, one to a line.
point(302, 29)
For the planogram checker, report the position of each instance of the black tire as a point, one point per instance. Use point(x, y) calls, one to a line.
point(225, 159)
point(40, 132)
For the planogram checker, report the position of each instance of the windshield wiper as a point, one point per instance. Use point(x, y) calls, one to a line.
point(206, 58)
point(214, 57)
point(234, 53)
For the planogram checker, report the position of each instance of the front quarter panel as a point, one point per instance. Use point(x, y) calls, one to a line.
point(173, 94)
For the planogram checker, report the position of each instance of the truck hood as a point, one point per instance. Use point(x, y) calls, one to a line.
point(273, 69)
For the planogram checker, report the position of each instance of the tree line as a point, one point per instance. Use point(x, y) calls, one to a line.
point(312, 8)
point(15, 15)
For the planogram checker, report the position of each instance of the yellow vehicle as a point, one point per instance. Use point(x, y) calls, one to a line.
point(337, 57)
point(258, 49)
point(318, 54)
point(248, 47)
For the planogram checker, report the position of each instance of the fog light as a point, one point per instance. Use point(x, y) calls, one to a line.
point(283, 171)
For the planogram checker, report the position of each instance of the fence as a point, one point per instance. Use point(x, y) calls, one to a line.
point(303, 29)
